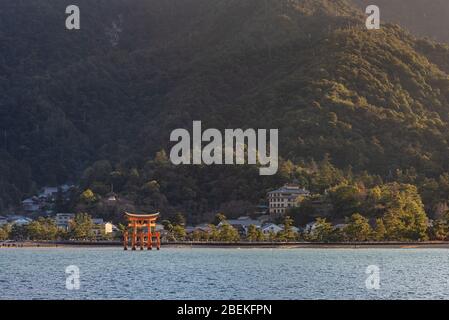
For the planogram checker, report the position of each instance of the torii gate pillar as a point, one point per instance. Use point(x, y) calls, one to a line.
point(137, 223)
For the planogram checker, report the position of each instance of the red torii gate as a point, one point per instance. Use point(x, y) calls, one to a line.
point(138, 238)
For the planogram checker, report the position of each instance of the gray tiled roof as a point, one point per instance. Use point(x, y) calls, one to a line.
point(290, 190)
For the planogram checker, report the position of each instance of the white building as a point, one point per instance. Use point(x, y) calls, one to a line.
point(310, 227)
point(63, 220)
point(271, 228)
point(66, 187)
point(103, 228)
point(97, 221)
point(31, 204)
point(274, 228)
point(19, 220)
point(288, 196)
point(48, 192)
point(3, 220)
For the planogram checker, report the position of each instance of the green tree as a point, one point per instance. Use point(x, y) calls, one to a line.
point(380, 231)
point(323, 231)
point(259, 235)
point(65, 235)
point(88, 196)
point(271, 236)
point(168, 226)
point(326, 175)
point(287, 234)
point(42, 229)
point(81, 228)
point(18, 232)
point(179, 232)
point(440, 228)
point(219, 217)
point(4, 232)
point(252, 234)
point(122, 229)
point(358, 228)
point(179, 219)
point(405, 218)
point(346, 200)
point(197, 235)
point(228, 233)
point(214, 233)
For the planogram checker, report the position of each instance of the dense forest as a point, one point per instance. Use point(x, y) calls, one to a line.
point(96, 106)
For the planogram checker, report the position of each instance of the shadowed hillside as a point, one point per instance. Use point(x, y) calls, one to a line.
point(374, 101)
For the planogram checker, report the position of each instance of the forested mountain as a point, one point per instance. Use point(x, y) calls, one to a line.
point(95, 105)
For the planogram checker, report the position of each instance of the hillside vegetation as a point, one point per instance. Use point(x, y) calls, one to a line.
point(96, 106)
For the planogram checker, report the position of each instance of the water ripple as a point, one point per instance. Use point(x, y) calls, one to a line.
point(213, 273)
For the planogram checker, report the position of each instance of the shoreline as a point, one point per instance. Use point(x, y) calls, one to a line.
point(249, 245)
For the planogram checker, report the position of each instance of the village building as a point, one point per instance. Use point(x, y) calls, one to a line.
point(111, 197)
point(310, 227)
point(48, 192)
point(100, 227)
point(261, 210)
point(66, 187)
point(18, 220)
point(241, 224)
point(189, 229)
point(264, 218)
point(271, 228)
point(103, 228)
point(275, 229)
point(44, 201)
point(63, 220)
point(204, 227)
point(31, 204)
point(97, 221)
point(284, 198)
point(3, 221)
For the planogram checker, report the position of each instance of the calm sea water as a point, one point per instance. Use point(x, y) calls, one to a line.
point(111, 273)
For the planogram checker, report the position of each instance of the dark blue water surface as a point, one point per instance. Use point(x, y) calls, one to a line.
point(215, 273)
